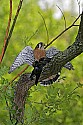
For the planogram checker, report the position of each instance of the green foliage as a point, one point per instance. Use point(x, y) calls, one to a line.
point(61, 103)
point(3, 70)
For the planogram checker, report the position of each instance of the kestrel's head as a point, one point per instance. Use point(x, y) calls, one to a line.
point(40, 45)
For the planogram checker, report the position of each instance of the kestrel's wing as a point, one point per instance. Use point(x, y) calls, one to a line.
point(25, 56)
point(53, 51)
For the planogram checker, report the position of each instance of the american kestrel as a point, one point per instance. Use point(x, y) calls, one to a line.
point(38, 58)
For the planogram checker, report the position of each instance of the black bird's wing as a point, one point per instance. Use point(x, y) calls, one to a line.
point(25, 56)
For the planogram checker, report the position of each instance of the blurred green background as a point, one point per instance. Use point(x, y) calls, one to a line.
point(52, 105)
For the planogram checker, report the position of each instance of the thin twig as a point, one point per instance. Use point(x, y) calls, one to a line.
point(7, 31)
point(63, 31)
point(13, 25)
point(76, 25)
point(8, 107)
point(71, 93)
point(63, 15)
point(33, 34)
point(19, 74)
point(14, 22)
point(45, 27)
point(16, 77)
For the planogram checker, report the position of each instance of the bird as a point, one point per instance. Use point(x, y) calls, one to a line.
point(29, 56)
point(38, 58)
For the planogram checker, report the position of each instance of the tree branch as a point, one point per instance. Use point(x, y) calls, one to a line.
point(6, 42)
point(73, 24)
point(7, 31)
point(59, 60)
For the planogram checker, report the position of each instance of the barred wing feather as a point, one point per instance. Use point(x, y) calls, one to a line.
point(25, 56)
point(53, 51)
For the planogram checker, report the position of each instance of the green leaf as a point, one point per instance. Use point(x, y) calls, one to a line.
point(3, 70)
